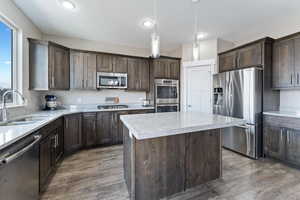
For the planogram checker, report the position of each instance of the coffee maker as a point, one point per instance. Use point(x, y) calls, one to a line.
point(51, 102)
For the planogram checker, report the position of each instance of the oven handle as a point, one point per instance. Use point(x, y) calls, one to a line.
point(164, 105)
point(16, 155)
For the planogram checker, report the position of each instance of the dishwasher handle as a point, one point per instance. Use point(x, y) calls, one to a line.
point(16, 155)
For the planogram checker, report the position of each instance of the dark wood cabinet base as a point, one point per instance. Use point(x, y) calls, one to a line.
point(157, 168)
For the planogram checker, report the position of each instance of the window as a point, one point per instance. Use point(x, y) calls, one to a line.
point(9, 77)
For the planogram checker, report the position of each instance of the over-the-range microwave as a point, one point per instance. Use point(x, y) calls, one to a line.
point(111, 80)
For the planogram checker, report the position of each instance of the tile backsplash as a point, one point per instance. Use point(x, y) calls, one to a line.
point(290, 100)
point(95, 97)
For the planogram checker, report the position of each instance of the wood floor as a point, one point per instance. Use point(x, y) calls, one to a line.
point(97, 174)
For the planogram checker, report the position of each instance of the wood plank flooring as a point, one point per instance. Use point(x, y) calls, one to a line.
point(97, 174)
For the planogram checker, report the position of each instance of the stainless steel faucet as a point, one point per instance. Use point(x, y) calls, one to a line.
point(3, 114)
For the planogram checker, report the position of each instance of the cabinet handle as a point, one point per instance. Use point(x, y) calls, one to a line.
point(291, 79)
point(82, 83)
point(298, 78)
point(86, 83)
point(52, 82)
point(67, 125)
point(288, 137)
point(94, 128)
point(57, 140)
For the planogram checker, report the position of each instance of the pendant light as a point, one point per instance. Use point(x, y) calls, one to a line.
point(196, 43)
point(155, 40)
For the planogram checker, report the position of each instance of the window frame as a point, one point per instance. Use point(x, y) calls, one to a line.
point(16, 63)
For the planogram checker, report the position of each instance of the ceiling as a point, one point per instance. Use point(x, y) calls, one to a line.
point(117, 21)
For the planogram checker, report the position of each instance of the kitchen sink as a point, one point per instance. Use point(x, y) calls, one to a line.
point(106, 107)
point(23, 121)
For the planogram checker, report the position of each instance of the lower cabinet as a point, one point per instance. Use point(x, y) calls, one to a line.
point(73, 133)
point(105, 128)
point(282, 139)
point(293, 146)
point(89, 129)
point(274, 142)
point(51, 150)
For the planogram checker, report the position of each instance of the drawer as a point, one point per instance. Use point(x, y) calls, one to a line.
point(278, 121)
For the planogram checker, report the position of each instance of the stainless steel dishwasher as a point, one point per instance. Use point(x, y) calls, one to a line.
point(19, 170)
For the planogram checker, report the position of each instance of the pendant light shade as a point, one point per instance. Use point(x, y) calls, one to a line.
point(155, 45)
point(196, 51)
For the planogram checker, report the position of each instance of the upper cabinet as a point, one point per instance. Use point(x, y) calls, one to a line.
point(286, 63)
point(166, 68)
point(250, 56)
point(246, 56)
point(138, 74)
point(49, 66)
point(227, 61)
point(83, 70)
point(111, 63)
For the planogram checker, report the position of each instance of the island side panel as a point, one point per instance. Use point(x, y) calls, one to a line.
point(129, 162)
point(159, 167)
point(203, 157)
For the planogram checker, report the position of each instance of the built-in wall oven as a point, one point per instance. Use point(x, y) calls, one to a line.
point(111, 80)
point(166, 95)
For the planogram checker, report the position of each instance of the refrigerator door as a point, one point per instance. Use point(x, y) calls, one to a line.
point(243, 97)
point(241, 139)
point(219, 93)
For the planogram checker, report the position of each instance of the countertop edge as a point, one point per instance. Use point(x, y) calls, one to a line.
point(58, 115)
point(149, 135)
point(291, 115)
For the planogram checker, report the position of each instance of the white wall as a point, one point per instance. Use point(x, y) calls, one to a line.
point(19, 20)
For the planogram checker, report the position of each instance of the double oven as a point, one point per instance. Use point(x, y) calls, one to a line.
point(166, 95)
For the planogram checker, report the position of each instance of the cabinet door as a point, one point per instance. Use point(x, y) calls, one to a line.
point(119, 138)
point(175, 70)
point(159, 69)
point(297, 61)
point(144, 75)
point(89, 129)
point(293, 146)
point(90, 65)
point(227, 61)
point(76, 70)
point(104, 63)
point(59, 67)
point(274, 142)
point(72, 133)
point(59, 143)
point(120, 64)
point(46, 160)
point(283, 64)
point(132, 74)
point(250, 56)
point(104, 128)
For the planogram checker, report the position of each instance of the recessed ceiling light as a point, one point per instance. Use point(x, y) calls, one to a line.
point(195, 1)
point(148, 23)
point(201, 36)
point(68, 4)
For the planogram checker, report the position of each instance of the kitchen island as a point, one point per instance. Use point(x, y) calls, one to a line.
point(167, 153)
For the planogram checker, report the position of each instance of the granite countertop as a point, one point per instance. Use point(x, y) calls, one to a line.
point(146, 126)
point(294, 114)
point(11, 134)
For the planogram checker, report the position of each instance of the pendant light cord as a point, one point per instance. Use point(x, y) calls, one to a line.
point(155, 15)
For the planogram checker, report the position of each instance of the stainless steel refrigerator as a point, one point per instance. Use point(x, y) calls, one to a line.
point(239, 94)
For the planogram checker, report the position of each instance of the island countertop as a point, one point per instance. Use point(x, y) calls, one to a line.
point(146, 126)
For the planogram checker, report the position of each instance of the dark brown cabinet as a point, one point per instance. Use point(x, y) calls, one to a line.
point(282, 139)
point(73, 133)
point(83, 70)
point(51, 150)
point(274, 142)
point(111, 63)
point(250, 56)
point(283, 64)
point(166, 68)
point(49, 66)
point(138, 74)
point(105, 128)
point(89, 131)
point(120, 64)
point(104, 63)
point(227, 61)
point(293, 146)
point(59, 67)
